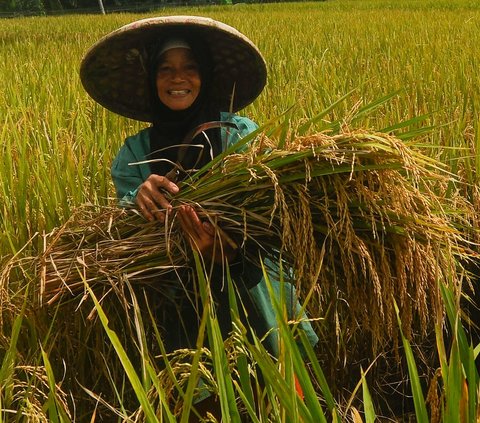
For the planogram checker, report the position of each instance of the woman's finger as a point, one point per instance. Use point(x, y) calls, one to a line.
point(203, 236)
point(190, 222)
point(146, 213)
point(151, 199)
point(158, 186)
point(208, 228)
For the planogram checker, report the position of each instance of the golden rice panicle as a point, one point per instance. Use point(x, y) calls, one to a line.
point(379, 231)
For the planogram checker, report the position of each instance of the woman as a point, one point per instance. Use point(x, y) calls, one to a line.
point(181, 74)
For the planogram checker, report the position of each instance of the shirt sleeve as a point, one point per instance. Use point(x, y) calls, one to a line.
point(126, 177)
point(245, 126)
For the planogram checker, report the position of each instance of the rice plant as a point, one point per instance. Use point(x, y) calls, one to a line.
point(337, 72)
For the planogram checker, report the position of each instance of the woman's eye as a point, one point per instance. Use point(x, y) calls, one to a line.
point(192, 67)
point(163, 70)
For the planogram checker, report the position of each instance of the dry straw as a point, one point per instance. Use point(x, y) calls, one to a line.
point(354, 215)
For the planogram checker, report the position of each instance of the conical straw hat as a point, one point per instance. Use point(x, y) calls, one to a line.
point(115, 70)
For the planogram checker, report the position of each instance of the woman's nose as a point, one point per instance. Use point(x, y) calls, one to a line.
point(178, 75)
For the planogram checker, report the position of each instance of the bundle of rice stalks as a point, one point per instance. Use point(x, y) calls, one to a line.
point(354, 215)
point(104, 246)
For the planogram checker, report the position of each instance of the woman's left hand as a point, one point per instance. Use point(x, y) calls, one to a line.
point(203, 238)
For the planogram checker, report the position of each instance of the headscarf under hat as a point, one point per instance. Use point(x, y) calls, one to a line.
point(170, 127)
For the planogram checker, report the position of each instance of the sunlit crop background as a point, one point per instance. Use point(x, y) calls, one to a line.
point(56, 144)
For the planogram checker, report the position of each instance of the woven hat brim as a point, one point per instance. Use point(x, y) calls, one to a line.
point(114, 71)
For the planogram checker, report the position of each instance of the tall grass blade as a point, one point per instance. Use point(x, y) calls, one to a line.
point(315, 412)
point(454, 387)
point(8, 363)
point(462, 369)
point(193, 380)
point(416, 120)
point(161, 392)
point(242, 362)
point(455, 324)
point(226, 390)
point(418, 398)
point(302, 129)
point(169, 417)
point(56, 412)
point(368, 108)
point(320, 377)
point(370, 415)
point(126, 363)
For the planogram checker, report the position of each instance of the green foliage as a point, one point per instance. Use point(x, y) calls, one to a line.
point(57, 145)
point(418, 398)
point(36, 7)
point(40, 7)
point(459, 371)
point(130, 371)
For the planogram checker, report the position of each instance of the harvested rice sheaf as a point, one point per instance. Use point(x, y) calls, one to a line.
point(354, 215)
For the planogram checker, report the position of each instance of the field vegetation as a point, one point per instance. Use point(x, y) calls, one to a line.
point(359, 65)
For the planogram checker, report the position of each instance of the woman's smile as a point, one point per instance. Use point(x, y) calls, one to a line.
point(179, 92)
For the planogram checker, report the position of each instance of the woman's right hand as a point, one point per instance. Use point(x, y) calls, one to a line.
point(212, 244)
point(151, 199)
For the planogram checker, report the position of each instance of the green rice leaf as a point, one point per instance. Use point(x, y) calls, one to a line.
point(226, 390)
point(242, 362)
point(418, 399)
point(9, 362)
point(462, 355)
point(56, 413)
point(416, 120)
point(454, 386)
point(368, 108)
point(315, 412)
point(370, 415)
point(320, 376)
point(127, 364)
point(302, 129)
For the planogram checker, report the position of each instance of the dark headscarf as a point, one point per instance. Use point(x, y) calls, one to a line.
point(170, 127)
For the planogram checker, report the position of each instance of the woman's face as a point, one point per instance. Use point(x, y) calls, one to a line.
point(178, 79)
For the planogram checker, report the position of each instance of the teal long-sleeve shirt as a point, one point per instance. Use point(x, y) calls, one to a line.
point(127, 177)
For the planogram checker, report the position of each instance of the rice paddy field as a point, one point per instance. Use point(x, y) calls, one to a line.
point(407, 68)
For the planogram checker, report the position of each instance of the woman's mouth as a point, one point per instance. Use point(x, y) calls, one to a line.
point(178, 92)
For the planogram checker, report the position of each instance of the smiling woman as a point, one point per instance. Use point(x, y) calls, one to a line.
point(187, 75)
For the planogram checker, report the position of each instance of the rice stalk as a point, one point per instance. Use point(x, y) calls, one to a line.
point(355, 216)
point(31, 396)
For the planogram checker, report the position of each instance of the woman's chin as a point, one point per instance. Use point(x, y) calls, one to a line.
point(177, 102)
